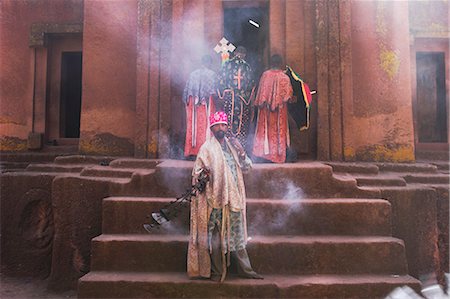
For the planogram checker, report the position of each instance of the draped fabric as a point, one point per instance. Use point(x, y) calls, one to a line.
point(272, 128)
point(197, 126)
point(223, 192)
point(236, 87)
point(198, 97)
point(274, 89)
point(299, 110)
point(200, 85)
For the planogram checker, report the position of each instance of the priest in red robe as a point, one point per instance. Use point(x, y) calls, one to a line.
point(272, 128)
point(198, 97)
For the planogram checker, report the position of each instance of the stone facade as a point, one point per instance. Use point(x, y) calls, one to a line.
point(358, 55)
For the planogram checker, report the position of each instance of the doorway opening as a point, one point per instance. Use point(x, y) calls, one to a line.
point(70, 98)
point(64, 87)
point(431, 98)
point(247, 24)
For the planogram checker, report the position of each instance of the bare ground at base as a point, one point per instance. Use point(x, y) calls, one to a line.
point(29, 287)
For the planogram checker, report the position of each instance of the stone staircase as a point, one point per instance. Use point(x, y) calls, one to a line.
point(310, 212)
point(313, 235)
point(434, 173)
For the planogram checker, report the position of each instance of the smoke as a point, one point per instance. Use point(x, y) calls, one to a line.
point(177, 226)
point(281, 218)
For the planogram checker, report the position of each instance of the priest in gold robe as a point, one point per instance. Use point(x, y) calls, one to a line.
point(218, 227)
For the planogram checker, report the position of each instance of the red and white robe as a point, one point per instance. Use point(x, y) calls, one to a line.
point(272, 128)
point(198, 98)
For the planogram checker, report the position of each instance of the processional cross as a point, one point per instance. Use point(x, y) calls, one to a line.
point(225, 48)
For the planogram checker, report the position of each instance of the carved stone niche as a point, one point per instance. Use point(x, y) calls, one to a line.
point(36, 220)
point(39, 31)
point(29, 235)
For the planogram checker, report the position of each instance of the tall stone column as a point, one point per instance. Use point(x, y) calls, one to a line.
point(109, 78)
point(152, 77)
point(277, 31)
point(382, 100)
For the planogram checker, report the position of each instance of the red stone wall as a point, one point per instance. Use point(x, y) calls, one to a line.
point(109, 77)
point(380, 126)
point(137, 55)
point(17, 62)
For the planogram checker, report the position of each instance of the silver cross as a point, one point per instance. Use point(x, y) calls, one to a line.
point(224, 46)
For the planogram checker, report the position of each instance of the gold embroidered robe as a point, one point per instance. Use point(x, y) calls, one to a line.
point(222, 192)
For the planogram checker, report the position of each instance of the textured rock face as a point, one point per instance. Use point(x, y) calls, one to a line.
point(50, 212)
point(27, 224)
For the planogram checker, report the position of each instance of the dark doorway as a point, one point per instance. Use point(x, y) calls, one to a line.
point(431, 98)
point(241, 29)
point(70, 108)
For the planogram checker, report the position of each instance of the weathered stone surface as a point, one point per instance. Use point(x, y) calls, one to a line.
point(443, 210)
point(414, 220)
point(35, 141)
point(78, 201)
point(82, 159)
point(280, 255)
point(381, 84)
point(13, 144)
point(39, 30)
point(386, 180)
point(367, 168)
point(105, 144)
point(177, 285)
point(77, 215)
point(109, 78)
point(342, 216)
point(27, 227)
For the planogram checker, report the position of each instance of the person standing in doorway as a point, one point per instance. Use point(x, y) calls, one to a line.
point(218, 227)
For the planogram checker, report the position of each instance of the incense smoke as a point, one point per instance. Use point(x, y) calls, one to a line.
point(279, 219)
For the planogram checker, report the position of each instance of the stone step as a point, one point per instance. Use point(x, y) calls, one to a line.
point(68, 149)
point(5, 170)
point(289, 180)
point(29, 157)
point(440, 164)
point(52, 167)
point(16, 165)
point(380, 180)
point(107, 171)
point(427, 178)
point(82, 159)
point(407, 167)
point(439, 155)
point(350, 167)
point(134, 163)
point(177, 285)
point(269, 255)
point(6, 166)
point(265, 216)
